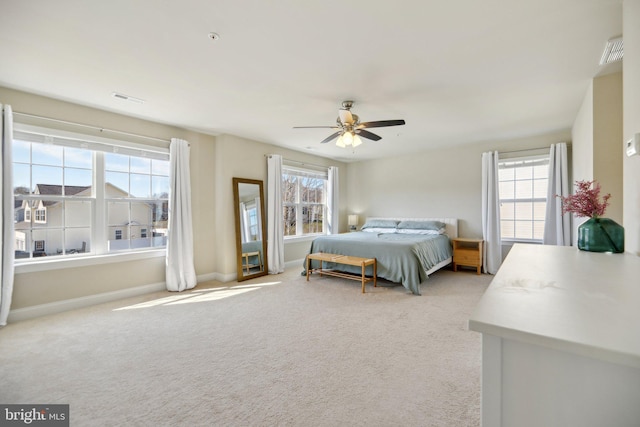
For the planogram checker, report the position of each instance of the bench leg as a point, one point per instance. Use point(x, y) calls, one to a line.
point(375, 273)
point(363, 269)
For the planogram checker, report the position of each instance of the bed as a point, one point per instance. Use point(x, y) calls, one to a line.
point(407, 250)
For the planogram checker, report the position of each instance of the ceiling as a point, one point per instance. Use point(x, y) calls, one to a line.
point(458, 72)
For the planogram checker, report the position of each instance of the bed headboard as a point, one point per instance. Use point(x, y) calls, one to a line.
point(452, 223)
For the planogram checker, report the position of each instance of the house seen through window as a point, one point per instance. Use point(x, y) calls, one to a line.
point(75, 196)
point(304, 201)
point(523, 198)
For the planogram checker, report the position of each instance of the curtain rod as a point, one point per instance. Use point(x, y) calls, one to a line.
point(530, 149)
point(91, 127)
point(300, 163)
point(524, 149)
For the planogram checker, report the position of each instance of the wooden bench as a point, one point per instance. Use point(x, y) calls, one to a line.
point(343, 259)
point(245, 260)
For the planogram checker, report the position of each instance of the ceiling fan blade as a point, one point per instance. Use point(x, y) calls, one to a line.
point(366, 134)
point(381, 124)
point(345, 116)
point(315, 127)
point(330, 137)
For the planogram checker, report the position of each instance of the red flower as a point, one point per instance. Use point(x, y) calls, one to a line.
point(586, 200)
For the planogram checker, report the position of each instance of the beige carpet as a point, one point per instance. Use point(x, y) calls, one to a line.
point(274, 351)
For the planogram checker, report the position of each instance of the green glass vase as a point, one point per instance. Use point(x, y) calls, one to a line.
point(601, 235)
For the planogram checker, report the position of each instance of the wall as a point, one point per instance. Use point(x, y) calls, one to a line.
point(33, 288)
point(243, 158)
point(214, 162)
point(437, 183)
point(597, 146)
point(444, 182)
point(607, 137)
point(631, 103)
point(582, 140)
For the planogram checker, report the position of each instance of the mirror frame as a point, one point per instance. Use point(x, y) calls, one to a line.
point(236, 203)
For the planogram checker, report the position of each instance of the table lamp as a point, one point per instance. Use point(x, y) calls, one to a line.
point(353, 222)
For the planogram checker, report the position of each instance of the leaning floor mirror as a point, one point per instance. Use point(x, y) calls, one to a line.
point(251, 246)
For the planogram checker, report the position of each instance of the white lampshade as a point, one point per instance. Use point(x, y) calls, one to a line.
point(347, 138)
point(356, 140)
point(353, 220)
point(340, 142)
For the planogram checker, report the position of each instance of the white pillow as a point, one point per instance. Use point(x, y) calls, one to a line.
point(379, 230)
point(416, 231)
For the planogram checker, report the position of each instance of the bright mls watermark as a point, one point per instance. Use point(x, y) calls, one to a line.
point(34, 415)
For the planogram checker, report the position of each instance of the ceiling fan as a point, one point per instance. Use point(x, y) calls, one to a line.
point(349, 129)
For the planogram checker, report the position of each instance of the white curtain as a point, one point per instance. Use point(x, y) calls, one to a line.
point(244, 223)
point(491, 213)
point(180, 271)
point(332, 201)
point(258, 205)
point(6, 213)
point(557, 227)
point(275, 226)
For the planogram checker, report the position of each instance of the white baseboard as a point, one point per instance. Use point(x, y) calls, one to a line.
point(295, 263)
point(32, 312)
point(20, 314)
point(224, 278)
point(26, 313)
point(208, 277)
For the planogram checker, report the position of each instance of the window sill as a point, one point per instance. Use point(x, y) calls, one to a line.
point(512, 241)
point(85, 261)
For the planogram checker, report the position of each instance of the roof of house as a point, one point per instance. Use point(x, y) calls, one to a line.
point(56, 190)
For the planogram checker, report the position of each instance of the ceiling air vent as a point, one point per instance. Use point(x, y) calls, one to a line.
point(612, 51)
point(127, 98)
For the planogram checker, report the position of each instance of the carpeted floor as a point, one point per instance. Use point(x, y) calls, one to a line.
point(273, 351)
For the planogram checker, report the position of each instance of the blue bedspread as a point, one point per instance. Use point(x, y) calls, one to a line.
point(401, 258)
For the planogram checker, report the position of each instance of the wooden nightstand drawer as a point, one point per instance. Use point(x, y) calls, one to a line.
point(464, 256)
point(467, 252)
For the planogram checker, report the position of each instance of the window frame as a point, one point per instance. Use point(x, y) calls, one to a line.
point(532, 200)
point(38, 245)
point(299, 205)
point(41, 216)
point(97, 212)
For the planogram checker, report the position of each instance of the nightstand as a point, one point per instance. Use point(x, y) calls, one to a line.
point(468, 253)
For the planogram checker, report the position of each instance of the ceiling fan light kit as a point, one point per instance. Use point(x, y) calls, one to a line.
point(348, 138)
point(349, 129)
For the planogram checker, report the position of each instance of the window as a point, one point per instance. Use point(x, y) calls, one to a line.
point(136, 194)
point(41, 215)
point(38, 245)
point(523, 197)
point(252, 221)
point(304, 201)
point(74, 193)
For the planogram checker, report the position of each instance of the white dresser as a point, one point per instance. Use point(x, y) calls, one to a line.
point(561, 339)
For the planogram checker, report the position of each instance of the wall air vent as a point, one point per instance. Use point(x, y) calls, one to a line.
point(612, 51)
